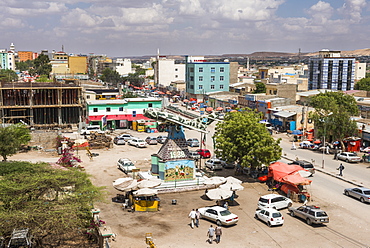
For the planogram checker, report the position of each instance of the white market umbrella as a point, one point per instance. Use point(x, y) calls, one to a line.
point(231, 186)
point(125, 184)
point(219, 194)
point(214, 180)
point(149, 183)
point(231, 179)
point(145, 192)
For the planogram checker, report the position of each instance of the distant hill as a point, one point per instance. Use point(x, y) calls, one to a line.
point(354, 53)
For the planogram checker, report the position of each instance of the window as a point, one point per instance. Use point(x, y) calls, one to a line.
point(222, 69)
point(150, 105)
point(213, 78)
point(200, 87)
point(176, 69)
point(213, 69)
point(212, 87)
point(221, 86)
point(108, 109)
point(200, 69)
point(221, 78)
point(120, 109)
point(191, 69)
point(176, 76)
point(191, 78)
point(191, 87)
point(200, 78)
point(95, 109)
point(88, 97)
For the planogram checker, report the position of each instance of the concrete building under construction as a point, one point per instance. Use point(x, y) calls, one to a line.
point(41, 105)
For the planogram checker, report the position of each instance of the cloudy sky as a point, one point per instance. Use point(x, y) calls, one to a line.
point(179, 27)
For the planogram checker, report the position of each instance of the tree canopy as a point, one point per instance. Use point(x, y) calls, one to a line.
point(7, 75)
point(241, 138)
point(42, 65)
point(24, 65)
point(12, 138)
point(363, 84)
point(332, 115)
point(111, 76)
point(260, 88)
point(53, 203)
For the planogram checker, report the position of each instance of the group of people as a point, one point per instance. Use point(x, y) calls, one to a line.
point(194, 215)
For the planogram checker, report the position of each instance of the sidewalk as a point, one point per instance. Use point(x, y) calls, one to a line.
point(286, 139)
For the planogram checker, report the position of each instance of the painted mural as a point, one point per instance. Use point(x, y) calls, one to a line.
point(179, 170)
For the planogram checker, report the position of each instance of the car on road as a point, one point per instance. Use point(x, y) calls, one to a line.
point(349, 157)
point(305, 165)
point(214, 164)
point(204, 153)
point(119, 141)
point(161, 139)
point(218, 214)
point(193, 142)
point(194, 155)
point(270, 216)
point(137, 142)
point(360, 193)
point(125, 136)
point(274, 201)
point(311, 214)
point(151, 140)
point(126, 165)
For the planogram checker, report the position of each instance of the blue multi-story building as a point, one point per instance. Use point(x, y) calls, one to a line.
point(331, 71)
point(203, 77)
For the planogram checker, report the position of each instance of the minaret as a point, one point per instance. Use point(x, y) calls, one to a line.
point(12, 47)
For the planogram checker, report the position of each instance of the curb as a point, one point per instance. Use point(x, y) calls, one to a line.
point(330, 174)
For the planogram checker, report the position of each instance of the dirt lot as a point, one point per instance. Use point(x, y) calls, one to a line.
point(170, 226)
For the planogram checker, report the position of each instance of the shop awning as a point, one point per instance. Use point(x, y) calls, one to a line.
point(119, 117)
point(284, 114)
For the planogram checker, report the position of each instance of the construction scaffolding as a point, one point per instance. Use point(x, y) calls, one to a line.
point(41, 104)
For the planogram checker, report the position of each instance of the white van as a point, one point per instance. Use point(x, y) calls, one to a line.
point(89, 129)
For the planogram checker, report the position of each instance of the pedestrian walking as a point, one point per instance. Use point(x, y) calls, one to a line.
point(192, 215)
point(218, 232)
point(197, 217)
point(293, 146)
point(340, 168)
point(210, 234)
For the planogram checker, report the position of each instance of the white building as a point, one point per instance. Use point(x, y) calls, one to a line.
point(123, 66)
point(166, 71)
point(360, 70)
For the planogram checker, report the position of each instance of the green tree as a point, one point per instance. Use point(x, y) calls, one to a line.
point(363, 84)
point(24, 65)
point(241, 138)
point(110, 76)
point(42, 65)
point(332, 115)
point(54, 204)
point(12, 138)
point(7, 75)
point(260, 88)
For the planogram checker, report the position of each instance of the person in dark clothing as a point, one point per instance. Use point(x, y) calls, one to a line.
point(341, 168)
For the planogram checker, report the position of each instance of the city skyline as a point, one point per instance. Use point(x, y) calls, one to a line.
point(179, 27)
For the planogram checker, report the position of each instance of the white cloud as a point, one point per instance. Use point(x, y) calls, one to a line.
point(353, 9)
point(321, 12)
point(11, 23)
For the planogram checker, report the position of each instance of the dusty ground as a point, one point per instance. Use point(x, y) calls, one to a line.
point(170, 226)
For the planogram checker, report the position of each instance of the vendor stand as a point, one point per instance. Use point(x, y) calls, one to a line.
point(145, 200)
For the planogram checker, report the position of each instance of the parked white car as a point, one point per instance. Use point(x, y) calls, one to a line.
point(126, 165)
point(270, 216)
point(214, 164)
point(218, 214)
point(90, 129)
point(137, 142)
point(274, 201)
point(349, 157)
